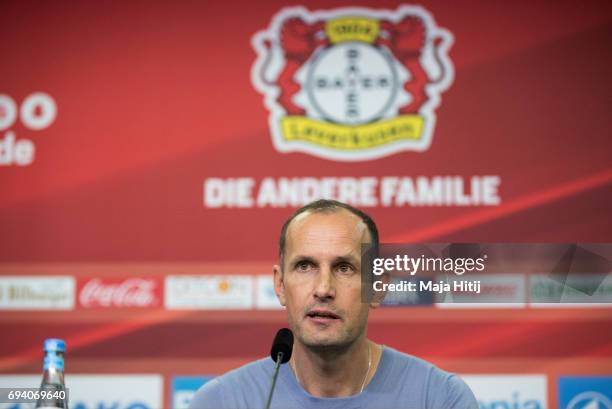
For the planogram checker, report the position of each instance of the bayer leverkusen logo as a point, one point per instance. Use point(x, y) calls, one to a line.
point(352, 83)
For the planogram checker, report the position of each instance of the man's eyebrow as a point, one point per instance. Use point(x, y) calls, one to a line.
point(340, 259)
point(299, 258)
point(346, 259)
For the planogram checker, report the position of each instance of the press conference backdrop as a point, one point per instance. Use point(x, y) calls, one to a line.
point(150, 151)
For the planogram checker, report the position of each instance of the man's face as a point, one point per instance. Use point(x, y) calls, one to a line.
point(321, 280)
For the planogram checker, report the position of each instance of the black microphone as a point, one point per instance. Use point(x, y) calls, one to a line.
point(283, 343)
point(280, 353)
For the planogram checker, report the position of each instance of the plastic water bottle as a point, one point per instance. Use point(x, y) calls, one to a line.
point(52, 392)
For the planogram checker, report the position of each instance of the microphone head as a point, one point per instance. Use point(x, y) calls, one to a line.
point(283, 342)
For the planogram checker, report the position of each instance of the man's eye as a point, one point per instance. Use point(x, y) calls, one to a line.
point(303, 266)
point(345, 268)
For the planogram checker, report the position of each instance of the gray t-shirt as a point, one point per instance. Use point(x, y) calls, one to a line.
point(401, 381)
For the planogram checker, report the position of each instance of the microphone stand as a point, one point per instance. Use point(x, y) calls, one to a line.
point(279, 359)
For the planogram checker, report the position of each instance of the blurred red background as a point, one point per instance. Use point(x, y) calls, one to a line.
point(154, 98)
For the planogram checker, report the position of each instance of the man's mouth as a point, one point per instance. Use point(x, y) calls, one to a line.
point(322, 316)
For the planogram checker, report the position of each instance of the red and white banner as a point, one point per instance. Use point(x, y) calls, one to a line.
point(130, 292)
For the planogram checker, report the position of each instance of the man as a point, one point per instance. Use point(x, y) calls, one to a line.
point(334, 364)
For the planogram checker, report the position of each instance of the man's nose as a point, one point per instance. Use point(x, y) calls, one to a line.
point(325, 286)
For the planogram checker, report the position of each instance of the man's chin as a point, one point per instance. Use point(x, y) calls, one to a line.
point(318, 342)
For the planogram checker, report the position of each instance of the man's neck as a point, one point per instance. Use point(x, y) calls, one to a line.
point(335, 373)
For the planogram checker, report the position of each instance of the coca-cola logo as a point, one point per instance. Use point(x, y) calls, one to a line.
point(131, 292)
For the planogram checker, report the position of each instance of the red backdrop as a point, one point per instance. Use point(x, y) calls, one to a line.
point(155, 98)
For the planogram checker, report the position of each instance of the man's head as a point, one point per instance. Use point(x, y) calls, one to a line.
point(328, 206)
point(318, 279)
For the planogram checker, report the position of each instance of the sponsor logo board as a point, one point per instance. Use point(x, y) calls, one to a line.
point(494, 291)
point(184, 388)
point(37, 292)
point(98, 391)
point(509, 391)
point(265, 297)
point(570, 290)
point(585, 392)
point(132, 292)
point(213, 292)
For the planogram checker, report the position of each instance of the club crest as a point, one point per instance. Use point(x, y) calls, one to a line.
point(352, 84)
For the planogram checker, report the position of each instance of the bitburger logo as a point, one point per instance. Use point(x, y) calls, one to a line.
point(352, 84)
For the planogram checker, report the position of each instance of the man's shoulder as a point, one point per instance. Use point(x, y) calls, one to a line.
point(413, 365)
point(444, 388)
point(254, 369)
point(217, 392)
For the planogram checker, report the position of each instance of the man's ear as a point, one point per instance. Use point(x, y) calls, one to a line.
point(379, 296)
point(279, 285)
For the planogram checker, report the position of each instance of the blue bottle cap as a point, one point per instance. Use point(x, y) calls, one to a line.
point(54, 344)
